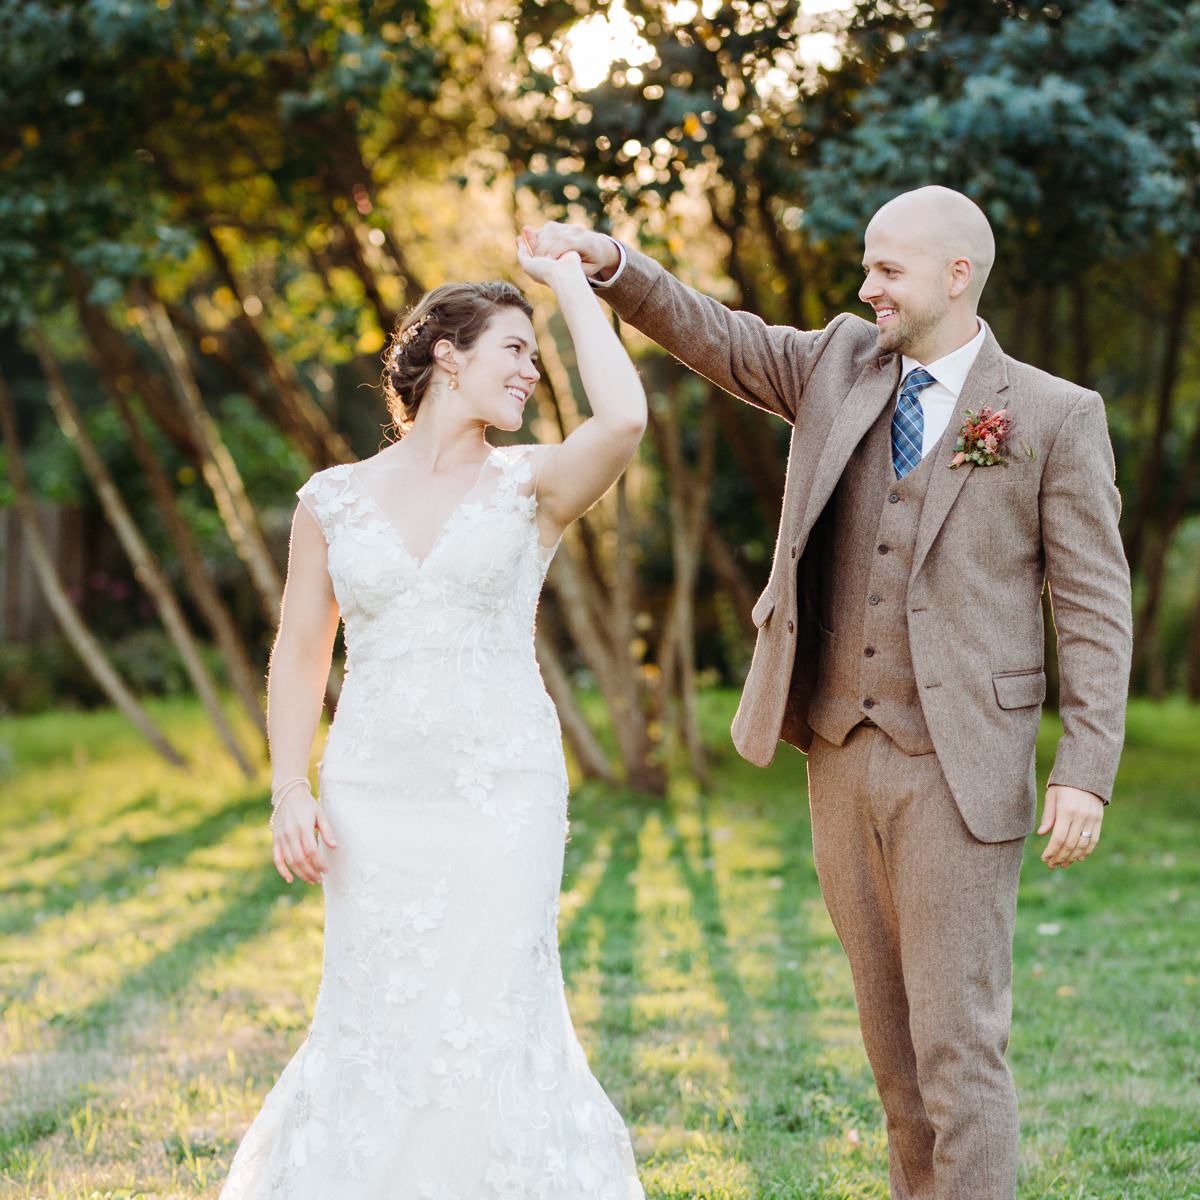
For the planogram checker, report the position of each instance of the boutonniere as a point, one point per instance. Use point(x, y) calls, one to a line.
point(983, 439)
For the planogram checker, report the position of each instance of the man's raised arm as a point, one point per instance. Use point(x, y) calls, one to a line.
point(765, 365)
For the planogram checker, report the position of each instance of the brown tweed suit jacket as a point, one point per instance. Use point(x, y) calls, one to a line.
point(988, 541)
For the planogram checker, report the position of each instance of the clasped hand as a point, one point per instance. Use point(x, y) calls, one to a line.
point(298, 821)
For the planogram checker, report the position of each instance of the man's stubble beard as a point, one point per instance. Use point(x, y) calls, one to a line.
point(909, 331)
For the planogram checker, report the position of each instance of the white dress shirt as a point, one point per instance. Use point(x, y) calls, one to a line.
point(937, 400)
point(603, 283)
point(940, 397)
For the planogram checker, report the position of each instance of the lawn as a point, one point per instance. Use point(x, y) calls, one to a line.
point(156, 974)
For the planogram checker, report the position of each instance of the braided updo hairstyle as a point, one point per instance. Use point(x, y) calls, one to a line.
point(458, 312)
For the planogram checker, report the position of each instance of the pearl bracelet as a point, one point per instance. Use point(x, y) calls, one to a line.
point(282, 790)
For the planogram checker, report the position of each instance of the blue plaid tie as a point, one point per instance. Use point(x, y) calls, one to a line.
point(908, 421)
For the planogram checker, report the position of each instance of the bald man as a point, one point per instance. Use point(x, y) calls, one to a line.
point(900, 644)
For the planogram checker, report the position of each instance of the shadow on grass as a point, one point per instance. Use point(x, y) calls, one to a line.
point(68, 890)
point(245, 913)
point(18, 1141)
point(613, 903)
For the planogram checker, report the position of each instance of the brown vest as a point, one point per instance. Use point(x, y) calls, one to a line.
point(866, 669)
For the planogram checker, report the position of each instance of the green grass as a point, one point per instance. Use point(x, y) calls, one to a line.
point(156, 975)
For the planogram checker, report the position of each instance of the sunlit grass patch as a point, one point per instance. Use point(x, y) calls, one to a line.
point(156, 975)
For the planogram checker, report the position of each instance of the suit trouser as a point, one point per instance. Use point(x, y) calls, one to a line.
point(925, 913)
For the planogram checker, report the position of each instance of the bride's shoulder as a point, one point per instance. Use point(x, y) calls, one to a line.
point(522, 463)
point(325, 492)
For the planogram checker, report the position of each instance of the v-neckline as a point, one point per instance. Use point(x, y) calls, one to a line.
point(394, 530)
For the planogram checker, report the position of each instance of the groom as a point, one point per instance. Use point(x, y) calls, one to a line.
point(901, 644)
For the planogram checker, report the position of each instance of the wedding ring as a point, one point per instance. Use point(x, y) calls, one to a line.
point(1086, 833)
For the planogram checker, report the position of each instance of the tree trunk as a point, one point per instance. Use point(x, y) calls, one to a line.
point(146, 568)
point(1047, 329)
point(1193, 669)
point(243, 676)
point(787, 264)
point(731, 226)
point(747, 433)
point(687, 505)
point(231, 354)
point(725, 566)
point(606, 650)
point(356, 259)
point(307, 421)
point(593, 762)
point(216, 464)
point(1081, 336)
point(121, 363)
point(1155, 573)
point(1150, 471)
point(77, 633)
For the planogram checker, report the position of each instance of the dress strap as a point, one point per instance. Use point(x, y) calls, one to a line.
point(326, 495)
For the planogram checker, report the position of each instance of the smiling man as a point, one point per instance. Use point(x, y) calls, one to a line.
point(935, 486)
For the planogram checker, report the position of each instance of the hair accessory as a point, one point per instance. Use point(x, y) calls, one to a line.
point(409, 333)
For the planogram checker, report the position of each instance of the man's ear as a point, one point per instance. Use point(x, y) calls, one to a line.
point(960, 277)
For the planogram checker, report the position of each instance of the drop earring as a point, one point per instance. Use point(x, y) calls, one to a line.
point(453, 384)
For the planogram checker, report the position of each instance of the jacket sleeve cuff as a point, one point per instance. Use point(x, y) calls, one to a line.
point(1072, 770)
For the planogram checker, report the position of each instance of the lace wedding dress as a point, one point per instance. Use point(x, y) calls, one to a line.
point(440, 1063)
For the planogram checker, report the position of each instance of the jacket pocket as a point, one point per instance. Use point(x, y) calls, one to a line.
point(764, 606)
point(1012, 472)
point(1020, 689)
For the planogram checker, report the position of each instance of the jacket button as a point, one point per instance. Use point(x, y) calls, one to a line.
point(870, 651)
point(868, 703)
point(872, 599)
point(883, 549)
point(793, 551)
point(893, 499)
point(791, 627)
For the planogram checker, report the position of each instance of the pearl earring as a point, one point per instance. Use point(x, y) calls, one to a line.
point(453, 384)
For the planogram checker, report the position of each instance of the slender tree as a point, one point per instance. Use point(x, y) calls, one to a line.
point(83, 641)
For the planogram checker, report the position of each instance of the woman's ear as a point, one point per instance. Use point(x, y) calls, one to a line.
point(444, 354)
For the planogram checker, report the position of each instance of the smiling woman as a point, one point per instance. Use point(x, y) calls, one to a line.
point(441, 1063)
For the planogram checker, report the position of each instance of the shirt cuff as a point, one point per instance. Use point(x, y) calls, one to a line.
point(604, 283)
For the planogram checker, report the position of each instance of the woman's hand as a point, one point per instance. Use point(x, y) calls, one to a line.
point(544, 268)
point(298, 820)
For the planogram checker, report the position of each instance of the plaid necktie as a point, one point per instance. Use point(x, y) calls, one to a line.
point(908, 421)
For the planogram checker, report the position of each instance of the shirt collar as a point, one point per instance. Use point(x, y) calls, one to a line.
point(951, 370)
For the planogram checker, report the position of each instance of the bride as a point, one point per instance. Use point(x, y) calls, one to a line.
point(440, 1063)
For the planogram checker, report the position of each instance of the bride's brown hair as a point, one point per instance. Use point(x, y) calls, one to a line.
point(458, 312)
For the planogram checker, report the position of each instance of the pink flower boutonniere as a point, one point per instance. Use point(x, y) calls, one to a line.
point(983, 439)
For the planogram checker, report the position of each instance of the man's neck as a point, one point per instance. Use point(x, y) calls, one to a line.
point(946, 342)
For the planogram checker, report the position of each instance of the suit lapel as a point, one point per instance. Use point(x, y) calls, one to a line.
point(986, 379)
point(872, 390)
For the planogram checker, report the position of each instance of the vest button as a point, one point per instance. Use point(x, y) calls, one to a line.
point(893, 499)
point(793, 551)
point(872, 599)
point(791, 627)
point(883, 549)
point(868, 703)
point(870, 651)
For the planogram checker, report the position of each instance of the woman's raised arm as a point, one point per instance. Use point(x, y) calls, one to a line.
point(576, 474)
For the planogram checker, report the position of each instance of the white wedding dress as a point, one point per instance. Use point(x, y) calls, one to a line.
point(440, 1063)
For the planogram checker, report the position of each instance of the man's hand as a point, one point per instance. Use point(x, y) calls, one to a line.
point(544, 268)
point(597, 252)
point(1075, 816)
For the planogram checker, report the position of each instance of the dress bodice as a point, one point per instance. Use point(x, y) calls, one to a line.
point(431, 642)
point(476, 588)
